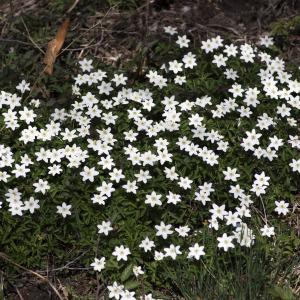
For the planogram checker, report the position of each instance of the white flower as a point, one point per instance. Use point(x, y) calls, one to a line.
point(231, 50)
point(175, 66)
point(16, 208)
point(106, 162)
point(236, 191)
point(98, 264)
point(183, 41)
point(267, 231)
point(218, 211)
point(171, 173)
point(189, 60)
point(89, 174)
point(232, 218)
point(196, 251)
point(130, 187)
point(185, 183)
point(225, 242)
point(153, 199)
point(163, 230)
point(170, 30)
point(115, 290)
point(244, 235)
point(164, 156)
point(266, 41)
point(172, 251)
point(261, 179)
point(86, 65)
point(220, 60)
point(121, 253)
point(105, 227)
point(147, 297)
point(281, 207)
point(23, 86)
point(236, 90)
point(180, 79)
point(41, 186)
point(106, 189)
point(64, 209)
point(137, 270)
point(27, 115)
point(119, 79)
point(4, 176)
point(127, 295)
point(173, 198)
point(143, 176)
point(182, 231)
point(295, 165)
point(20, 170)
point(99, 199)
point(31, 205)
point(231, 174)
point(116, 175)
point(54, 169)
point(258, 189)
point(147, 244)
point(213, 223)
point(158, 255)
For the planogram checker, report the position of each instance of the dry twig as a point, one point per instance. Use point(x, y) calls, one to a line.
point(89, 29)
point(30, 38)
point(66, 266)
point(72, 6)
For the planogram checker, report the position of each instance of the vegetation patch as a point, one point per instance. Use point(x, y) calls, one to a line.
point(179, 183)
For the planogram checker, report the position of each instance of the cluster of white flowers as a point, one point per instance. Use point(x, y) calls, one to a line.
point(118, 291)
point(179, 130)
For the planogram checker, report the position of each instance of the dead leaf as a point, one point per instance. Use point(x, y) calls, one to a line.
point(54, 47)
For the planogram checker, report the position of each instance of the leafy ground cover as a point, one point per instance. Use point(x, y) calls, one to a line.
point(181, 182)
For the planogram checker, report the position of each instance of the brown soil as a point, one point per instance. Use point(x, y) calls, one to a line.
point(114, 35)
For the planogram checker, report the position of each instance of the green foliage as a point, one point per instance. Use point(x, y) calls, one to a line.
point(286, 27)
point(282, 293)
point(240, 274)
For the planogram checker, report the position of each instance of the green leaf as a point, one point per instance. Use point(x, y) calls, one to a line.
point(126, 273)
point(131, 284)
point(282, 293)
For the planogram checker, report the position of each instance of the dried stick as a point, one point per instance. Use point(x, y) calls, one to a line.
point(19, 293)
point(66, 266)
point(30, 38)
point(72, 6)
point(80, 35)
